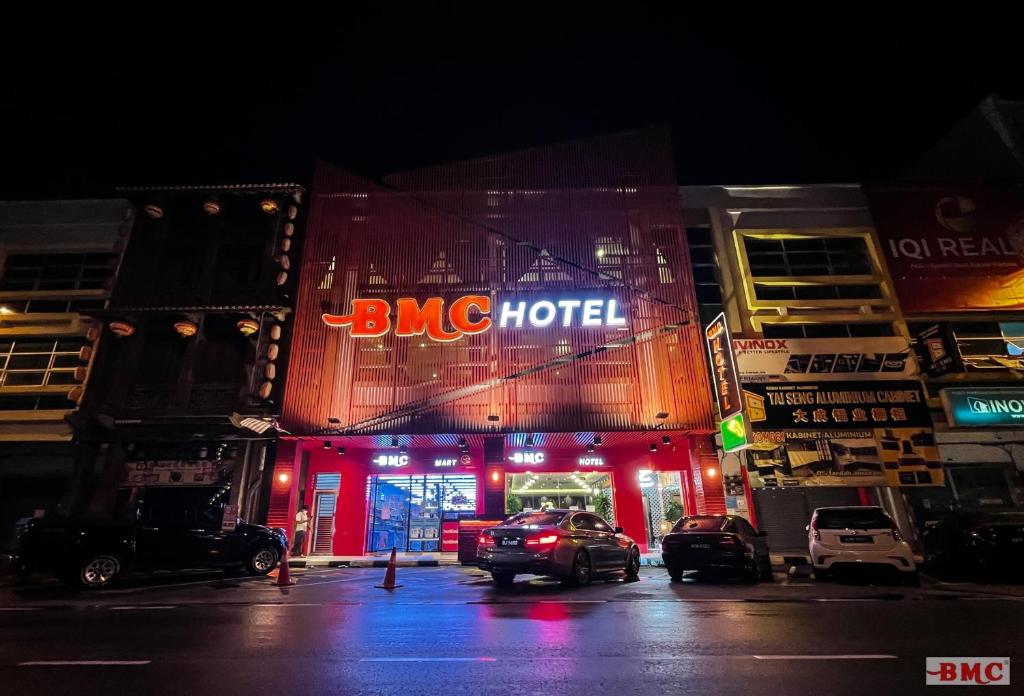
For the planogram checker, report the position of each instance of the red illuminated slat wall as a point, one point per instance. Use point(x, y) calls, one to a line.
point(594, 217)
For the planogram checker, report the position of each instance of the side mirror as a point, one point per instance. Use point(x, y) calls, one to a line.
point(618, 530)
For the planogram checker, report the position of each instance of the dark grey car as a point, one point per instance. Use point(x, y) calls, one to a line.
point(568, 544)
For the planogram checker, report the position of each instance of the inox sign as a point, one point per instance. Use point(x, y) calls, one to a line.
point(471, 314)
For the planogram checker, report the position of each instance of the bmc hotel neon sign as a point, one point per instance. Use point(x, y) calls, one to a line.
point(470, 314)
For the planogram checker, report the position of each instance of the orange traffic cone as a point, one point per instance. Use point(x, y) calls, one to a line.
point(284, 576)
point(389, 576)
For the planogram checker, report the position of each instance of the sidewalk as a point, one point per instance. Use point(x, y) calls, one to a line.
point(402, 560)
point(430, 560)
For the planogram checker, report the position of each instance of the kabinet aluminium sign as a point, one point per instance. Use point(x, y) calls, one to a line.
point(471, 314)
point(981, 407)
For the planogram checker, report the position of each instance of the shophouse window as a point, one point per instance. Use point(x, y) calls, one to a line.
point(857, 330)
point(238, 265)
point(38, 361)
point(220, 358)
point(817, 292)
point(545, 269)
point(706, 281)
point(163, 354)
point(610, 252)
point(810, 256)
point(985, 345)
point(29, 272)
point(50, 306)
point(979, 338)
point(35, 402)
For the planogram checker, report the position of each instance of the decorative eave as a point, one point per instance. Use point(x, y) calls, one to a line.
point(242, 188)
point(117, 311)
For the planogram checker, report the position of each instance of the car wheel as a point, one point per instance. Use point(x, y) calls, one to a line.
point(262, 560)
point(766, 568)
point(633, 564)
point(822, 575)
point(98, 570)
point(581, 569)
point(503, 578)
point(911, 579)
point(753, 573)
point(675, 575)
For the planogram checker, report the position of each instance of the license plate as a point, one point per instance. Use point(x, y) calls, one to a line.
point(700, 546)
point(510, 541)
point(856, 540)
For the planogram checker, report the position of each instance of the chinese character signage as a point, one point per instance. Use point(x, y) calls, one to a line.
point(813, 359)
point(830, 405)
point(723, 368)
point(983, 407)
point(953, 248)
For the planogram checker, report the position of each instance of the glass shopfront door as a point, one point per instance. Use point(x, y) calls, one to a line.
point(662, 494)
point(405, 512)
point(590, 491)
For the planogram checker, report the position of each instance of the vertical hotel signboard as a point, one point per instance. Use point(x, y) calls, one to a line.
point(726, 384)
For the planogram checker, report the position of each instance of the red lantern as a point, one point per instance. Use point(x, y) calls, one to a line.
point(185, 328)
point(121, 328)
point(248, 326)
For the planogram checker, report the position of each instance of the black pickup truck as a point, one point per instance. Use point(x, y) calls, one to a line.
point(155, 529)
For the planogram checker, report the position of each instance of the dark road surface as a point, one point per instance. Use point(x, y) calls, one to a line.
point(449, 631)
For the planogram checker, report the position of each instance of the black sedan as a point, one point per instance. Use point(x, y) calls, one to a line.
point(716, 544)
point(977, 543)
point(571, 545)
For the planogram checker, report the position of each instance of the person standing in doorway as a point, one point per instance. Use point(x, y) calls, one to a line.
point(301, 525)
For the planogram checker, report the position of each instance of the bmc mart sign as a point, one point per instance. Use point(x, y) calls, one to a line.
point(983, 407)
point(470, 314)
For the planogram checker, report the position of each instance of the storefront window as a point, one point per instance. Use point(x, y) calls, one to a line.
point(662, 493)
point(590, 491)
point(406, 511)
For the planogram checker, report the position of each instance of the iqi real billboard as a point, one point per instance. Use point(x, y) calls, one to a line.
point(953, 248)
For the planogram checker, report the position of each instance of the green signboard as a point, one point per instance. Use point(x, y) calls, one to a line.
point(966, 407)
point(734, 433)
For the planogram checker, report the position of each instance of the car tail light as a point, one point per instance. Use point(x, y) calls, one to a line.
point(485, 540)
point(895, 531)
point(815, 534)
point(730, 540)
point(542, 541)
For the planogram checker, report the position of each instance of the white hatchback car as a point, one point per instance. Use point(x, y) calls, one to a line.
point(857, 536)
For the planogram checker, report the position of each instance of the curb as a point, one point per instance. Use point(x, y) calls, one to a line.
point(367, 563)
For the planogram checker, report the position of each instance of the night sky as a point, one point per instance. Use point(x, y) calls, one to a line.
point(211, 96)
